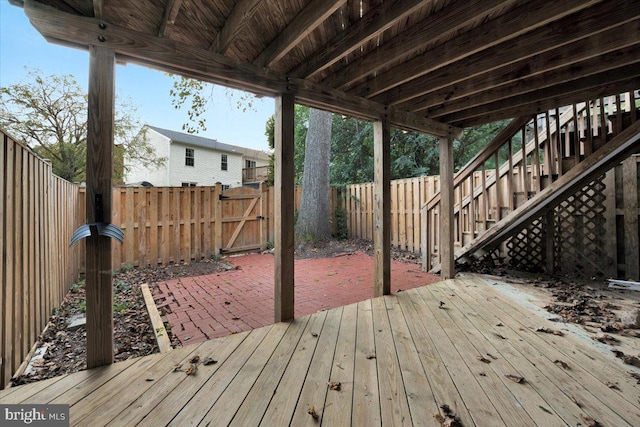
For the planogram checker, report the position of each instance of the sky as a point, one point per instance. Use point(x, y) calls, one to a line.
point(22, 46)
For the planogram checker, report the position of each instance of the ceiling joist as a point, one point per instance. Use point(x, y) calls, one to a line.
point(169, 16)
point(168, 54)
point(303, 24)
point(235, 23)
point(374, 22)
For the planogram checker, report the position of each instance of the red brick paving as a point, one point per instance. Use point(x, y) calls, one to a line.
point(216, 305)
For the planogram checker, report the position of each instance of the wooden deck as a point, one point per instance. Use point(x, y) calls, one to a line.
point(398, 359)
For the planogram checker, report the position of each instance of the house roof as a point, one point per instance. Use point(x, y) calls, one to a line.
point(428, 65)
point(199, 141)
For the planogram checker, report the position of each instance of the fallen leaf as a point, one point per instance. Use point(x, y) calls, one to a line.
point(177, 368)
point(544, 409)
point(371, 356)
point(209, 361)
point(499, 336)
point(149, 379)
point(635, 376)
point(515, 378)
point(313, 413)
point(589, 422)
point(550, 331)
point(191, 370)
point(607, 339)
point(482, 374)
point(314, 334)
point(499, 324)
point(195, 359)
point(564, 365)
point(492, 356)
point(483, 359)
point(612, 385)
point(334, 385)
point(618, 353)
point(441, 305)
point(631, 360)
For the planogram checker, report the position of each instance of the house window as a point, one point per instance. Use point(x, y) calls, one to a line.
point(223, 162)
point(189, 184)
point(225, 187)
point(189, 158)
point(249, 163)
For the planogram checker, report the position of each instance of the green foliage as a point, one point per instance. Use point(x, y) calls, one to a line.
point(197, 96)
point(49, 113)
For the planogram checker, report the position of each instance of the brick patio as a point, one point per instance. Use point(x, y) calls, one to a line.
point(220, 304)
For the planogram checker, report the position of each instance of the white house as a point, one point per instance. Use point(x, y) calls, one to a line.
point(194, 160)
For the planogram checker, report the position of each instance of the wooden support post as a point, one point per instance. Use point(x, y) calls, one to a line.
point(284, 203)
point(382, 207)
point(264, 213)
point(630, 198)
point(447, 261)
point(217, 214)
point(98, 201)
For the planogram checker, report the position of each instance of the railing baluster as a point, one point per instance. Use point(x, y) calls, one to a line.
point(558, 143)
point(536, 155)
point(472, 208)
point(525, 174)
point(549, 158)
point(588, 148)
point(576, 136)
point(496, 173)
point(603, 122)
point(510, 176)
point(485, 199)
point(618, 114)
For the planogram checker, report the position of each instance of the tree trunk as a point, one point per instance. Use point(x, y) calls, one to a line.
point(314, 214)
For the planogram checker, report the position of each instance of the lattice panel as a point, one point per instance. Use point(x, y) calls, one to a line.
point(580, 234)
point(525, 250)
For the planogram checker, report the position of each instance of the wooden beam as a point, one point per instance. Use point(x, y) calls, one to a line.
point(433, 28)
point(630, 199)
point(583, 49)
point(98, 198)
point(284, 202)
point(574, 71)
point(171, 11)
point(382, 207)
point(173, 56)
point(374, 22)
point(511, 25)
point(446, 249)
point(314, 14)
point(98, 7)
point(235, 23)
point(529, 97)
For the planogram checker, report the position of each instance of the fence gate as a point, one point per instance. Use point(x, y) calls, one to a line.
point(244, 226)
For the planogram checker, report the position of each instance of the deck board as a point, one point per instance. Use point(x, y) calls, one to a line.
point(398, 359)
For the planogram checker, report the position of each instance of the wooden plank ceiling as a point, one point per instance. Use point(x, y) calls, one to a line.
point(458, 62)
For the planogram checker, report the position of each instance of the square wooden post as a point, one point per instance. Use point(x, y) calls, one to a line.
point(284, 204)
point(98, 201)
point(382, 207)
point(447, 262)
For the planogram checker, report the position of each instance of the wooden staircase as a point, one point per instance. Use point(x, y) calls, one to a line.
point(531, 166)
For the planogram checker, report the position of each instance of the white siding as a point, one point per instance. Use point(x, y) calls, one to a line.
point(207, 167)
point(158, 176)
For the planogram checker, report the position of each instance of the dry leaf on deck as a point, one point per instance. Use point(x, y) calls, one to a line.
point(441, 305)
point(334, 385)
point(612, 385)
point(635, 376)
point(515, 378)
point(564, 365)
point(371, 356)
point(314, 334)
point(177, 368)
point(483, 359)
point(492, 356)
point(631, 360)
point(209, 361)
point(195, 359)
point(550, 331)
point(191, 370)
point(589, 422)
point(313, 413)
point(607, 339)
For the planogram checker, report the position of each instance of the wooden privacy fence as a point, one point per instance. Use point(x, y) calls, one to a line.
point(178, 224)
point(38, 216)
